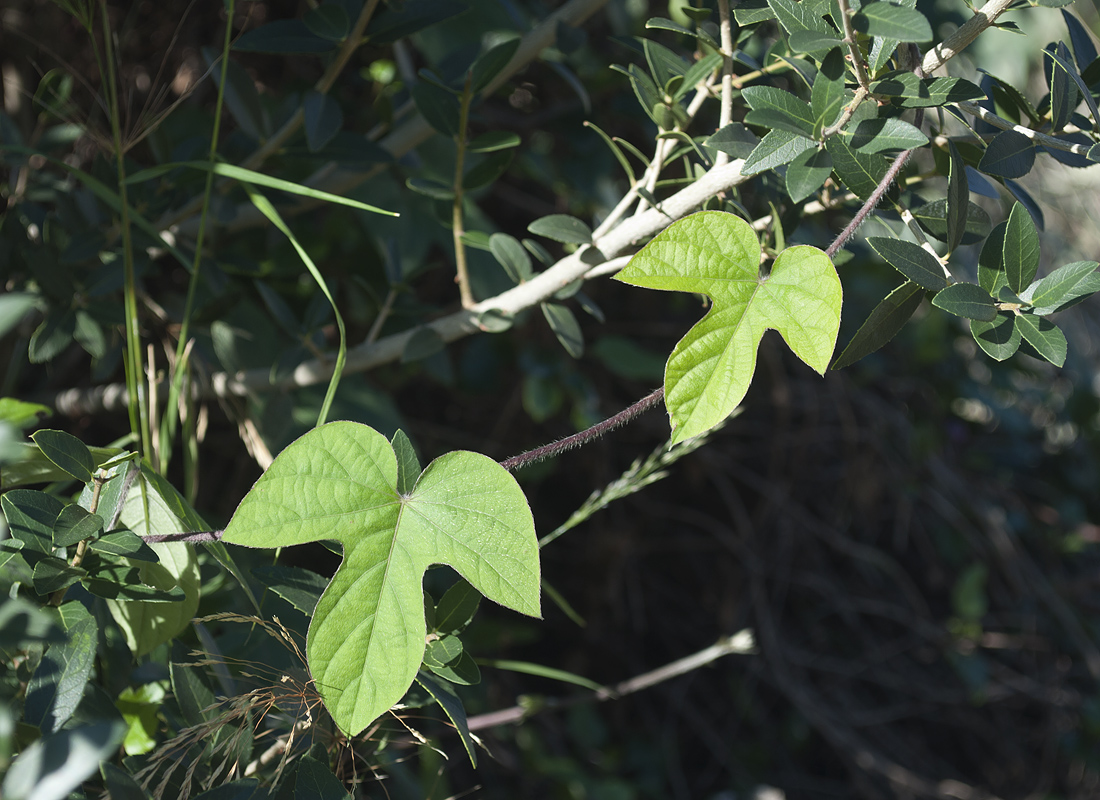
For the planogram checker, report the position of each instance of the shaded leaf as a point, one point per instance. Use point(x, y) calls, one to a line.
point(882, 324)
point(909, 91)
point(55, 765)
point(488, 170)
point(966, 300)
point(323, 119)
point(1044, 336)
point(562, 228)
point(491, 63)
point(991, 265)
point(808, 173)
point(933, 218)
point(1009, 155)
point(492, 141)
point(999, 338)
point(66, 451)
point(827, 95)
point(718, 255)
point(912, 261)
point(57, 686)
point(735, 140)
point(423, 343)
point(565, 327)
point(329, 21)
point(299, 587)
point(400, 20)
point(1020, 255)
point(958, 198)
point(511, 255)
point(408, 465)
point(314, 780)
point(283, 36)
point(438, 106)
point(452, 707)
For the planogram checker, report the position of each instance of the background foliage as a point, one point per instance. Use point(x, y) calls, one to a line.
point(911, 540)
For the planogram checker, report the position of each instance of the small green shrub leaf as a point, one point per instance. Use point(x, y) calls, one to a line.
point(860, 172)
point(55, 689)
point(75, 524)
point(827, 96)
point(323, 119)
point(908, 91)
point(329, 21)
point(912, 261)
point(776, 149)
point(283, 36)
point(491, 63)
point(302, 588)
point(884, 134)
point(55, 765)
point(933, 218)
point(492, 141)
point(1009, 155)
point(882, 324)
point(1052, 291)
point(511, 255)
point(717, 254)
point(66, 451)
point(892, 21)
point(1044, 336)
point(562, 228)
point(339, 481)
point(999, 337)
point(808, 173)
point(565, 326)
point(452, 707)
point(966, 300)
point(777, 109)
point(1021, 249)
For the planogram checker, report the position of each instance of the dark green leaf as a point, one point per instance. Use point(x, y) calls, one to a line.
point(491, 63)
point(735, 140)
point(314, 780)
point(457, 607)
point(933, 218)
point(452, 707)
point(493, 320)
point(283, 36)
point(808, 173)
point(398, 21)
point(827, 95)
point(909, 91)
point(442, 651)
point(432, 189)
point(56, 332)
point(958, 198)
point(1021, 249)
point(55, 765)
point(323, 119)
point(752, 12)
point(882, 324)
point(912, 261)
point(299, 587)
point(699, 71)
point(492, 141)
point(1022, 196)
point(1044, 336)
point(562, 228)
point(511, 255)
point(125, 544)
point(664, 64)
point(119, 784)
point(883, 49)
point(329, 21)
point(565, 327)
point(991, 265)
point(797, 16)
point(74, 524)
point(463, 670)
point(192, 695)
point(813, 41)
point(860, 172)
point(30, 517)
point(491, 167)
point(776, 149)
point(1063, 89)
point(892, 21)
point(57, 686)
point(54, 574)
point(779, 110)
point(1084, 51)
point(23, 623)
point(122, 582)
point(408, 465)
point(1051, 292)
point(1009, 155)
point(438, 106)
point(966, 300)
point(646, 91)
point(1011, 101)
point(999, 338)
point(1061, 59)
point(884, 134)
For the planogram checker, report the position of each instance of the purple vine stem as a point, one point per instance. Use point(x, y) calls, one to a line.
point(585, 436)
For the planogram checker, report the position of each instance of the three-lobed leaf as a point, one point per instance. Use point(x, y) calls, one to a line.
point(717, 254)
point(339, 481)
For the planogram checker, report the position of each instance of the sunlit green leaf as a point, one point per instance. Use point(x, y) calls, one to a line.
point(912, 261)
point(1044, 336)
point(892, 21)
point(882, 324)
point(1021, 249)
point(966, 300)
point(1009, 155)
point(339, 481)
point(718, 255)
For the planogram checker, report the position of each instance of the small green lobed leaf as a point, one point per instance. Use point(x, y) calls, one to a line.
point(339, 481)
point(717, 254)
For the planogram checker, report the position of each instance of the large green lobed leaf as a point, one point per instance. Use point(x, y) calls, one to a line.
point(717, 254)
point(339, 481)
